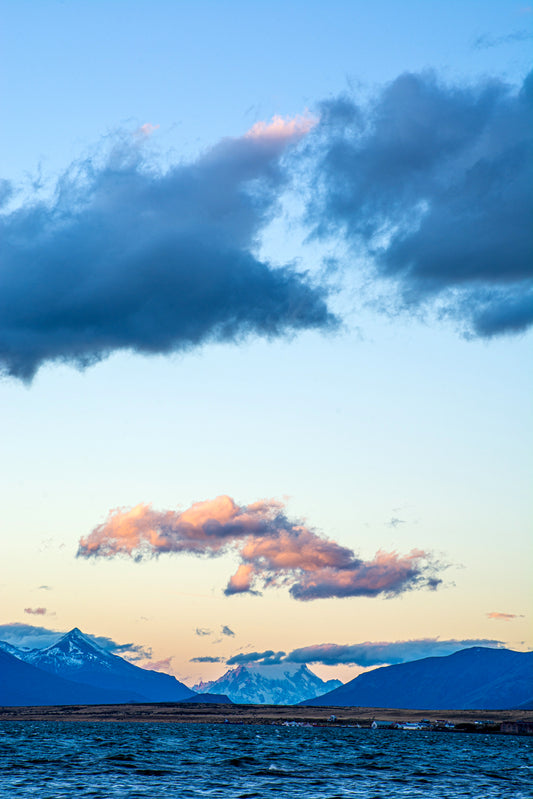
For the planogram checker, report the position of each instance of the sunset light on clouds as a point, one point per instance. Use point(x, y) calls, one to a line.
point(273, 549)
point(265, 329)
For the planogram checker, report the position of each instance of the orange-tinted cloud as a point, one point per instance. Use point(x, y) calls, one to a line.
point(146, 130)
point(273, 549)
point(503, 616)
point(164, 665)
point(282, 129)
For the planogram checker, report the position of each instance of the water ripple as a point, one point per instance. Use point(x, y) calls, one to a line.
point(54, 760)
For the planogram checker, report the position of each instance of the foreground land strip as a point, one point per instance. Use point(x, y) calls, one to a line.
point(171, 712)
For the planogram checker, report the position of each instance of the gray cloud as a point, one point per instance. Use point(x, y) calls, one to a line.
point(485, 41)
point(206, 659)
point(126, 257)
point(28, 636)
point(202, 632)
point(227, 631)
point(266, 658)
point(382, 653)
point(395, 522)
point(433, 183)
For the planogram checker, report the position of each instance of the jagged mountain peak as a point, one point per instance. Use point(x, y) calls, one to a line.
point(75, 656)
point(276, 684)
point(76, 646)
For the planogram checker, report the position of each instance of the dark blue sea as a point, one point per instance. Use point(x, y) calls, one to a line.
point(49, 760)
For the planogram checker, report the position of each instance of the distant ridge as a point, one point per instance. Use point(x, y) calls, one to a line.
point(478, 678)
point(208, 699)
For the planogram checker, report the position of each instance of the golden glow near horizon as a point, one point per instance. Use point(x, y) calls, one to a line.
point(289, 350)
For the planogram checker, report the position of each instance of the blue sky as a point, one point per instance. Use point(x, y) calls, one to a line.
point(381, 426)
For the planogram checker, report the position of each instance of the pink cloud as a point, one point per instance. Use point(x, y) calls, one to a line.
point(503, 616)
point(164, 665)
point(36, 611)
point(283, 129)
point(273, 549)
point(146, 130)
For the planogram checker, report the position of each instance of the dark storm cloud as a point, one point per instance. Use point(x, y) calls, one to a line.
point(379, 654)
point(129, 258)
point(433, 183)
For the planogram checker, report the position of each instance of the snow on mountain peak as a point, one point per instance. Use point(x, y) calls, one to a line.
point(278, 684)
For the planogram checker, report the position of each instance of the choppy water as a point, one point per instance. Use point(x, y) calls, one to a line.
point(51, 760)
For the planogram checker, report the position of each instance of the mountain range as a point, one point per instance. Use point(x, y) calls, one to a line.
point(75, 670)
point(279, 684)
point(478, 678)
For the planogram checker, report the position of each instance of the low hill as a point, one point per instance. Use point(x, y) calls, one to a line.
point(475, 678)
point(208, 699)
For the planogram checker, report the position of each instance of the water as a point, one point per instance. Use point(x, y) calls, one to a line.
point(51, 760)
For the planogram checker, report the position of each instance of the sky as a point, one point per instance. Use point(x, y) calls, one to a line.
point(265, 329)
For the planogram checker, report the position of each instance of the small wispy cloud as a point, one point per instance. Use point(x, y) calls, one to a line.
point(203, 632)
point(164, 665)
point(225, 630)
point(146, 130)
point(485, 41)
point(283, 128)
point(38, 612)
point(503, 616)
point(206, 659)
point(395, 522)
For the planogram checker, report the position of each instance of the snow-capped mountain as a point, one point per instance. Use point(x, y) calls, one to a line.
point(12, 650)
point(279, 684)
point(75, 657)
point(24, 684)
